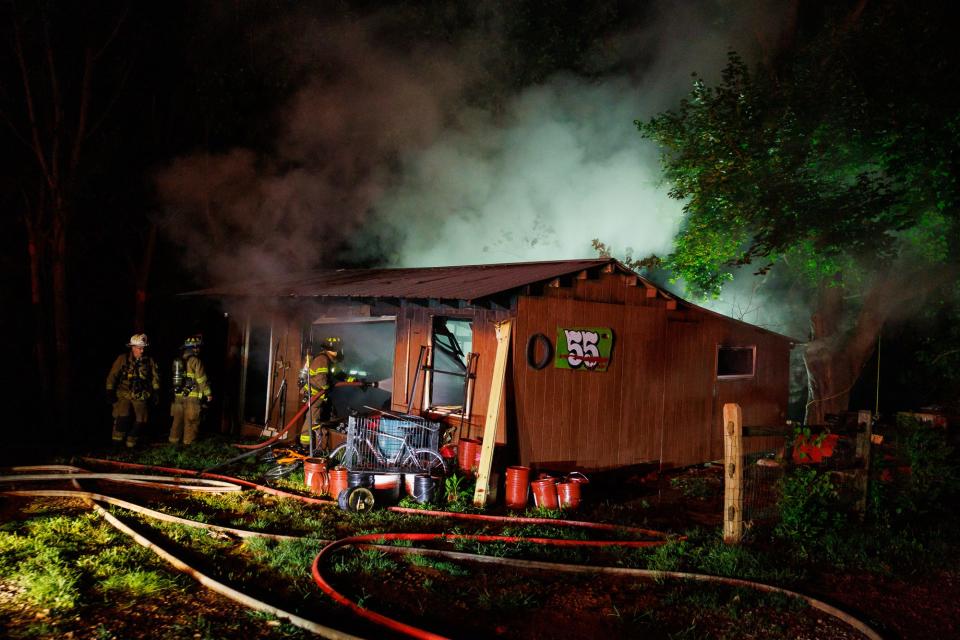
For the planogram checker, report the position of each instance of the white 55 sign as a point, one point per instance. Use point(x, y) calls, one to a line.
point(583, 348)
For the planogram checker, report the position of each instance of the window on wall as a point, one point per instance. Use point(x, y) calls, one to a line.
point(736, 362)
point(452, 342)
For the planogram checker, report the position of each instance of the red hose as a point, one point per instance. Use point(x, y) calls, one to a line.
point(416, 632)
point(295, 418)
point(266, 443)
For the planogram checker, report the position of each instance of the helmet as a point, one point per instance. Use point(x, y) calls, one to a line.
point(138, 340)
point(331, 344)
point(193, 342)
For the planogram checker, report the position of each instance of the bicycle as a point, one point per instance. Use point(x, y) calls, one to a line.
point(372, 449)
point(286, 461)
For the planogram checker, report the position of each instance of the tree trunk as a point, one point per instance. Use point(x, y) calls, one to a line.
point(836, 355)
point(36, 302)
point(61, 320)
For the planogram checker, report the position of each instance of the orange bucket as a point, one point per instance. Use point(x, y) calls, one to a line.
point(315, 474)
point(545, 494)
point(516, 485)
point(336, 481)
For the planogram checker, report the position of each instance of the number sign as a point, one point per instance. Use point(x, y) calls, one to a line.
point(583, 349)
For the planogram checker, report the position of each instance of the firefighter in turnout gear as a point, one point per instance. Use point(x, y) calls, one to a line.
point(190, 389)
point(314, 379)
point(132, 384)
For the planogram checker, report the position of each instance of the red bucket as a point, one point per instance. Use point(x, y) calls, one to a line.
point(516, 485)
point(545, 494)
point(568, 495)
point(468, 455)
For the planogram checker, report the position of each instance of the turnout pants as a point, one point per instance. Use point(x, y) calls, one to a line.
point(127, 427)
point(186, 420)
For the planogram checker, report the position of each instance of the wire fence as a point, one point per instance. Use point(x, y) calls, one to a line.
point(756, 459)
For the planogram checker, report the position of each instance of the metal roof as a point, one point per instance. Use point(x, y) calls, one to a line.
point(470, 282)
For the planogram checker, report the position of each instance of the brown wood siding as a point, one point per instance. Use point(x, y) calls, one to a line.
point(660, 400)
point(688, 392)
point(591, 420)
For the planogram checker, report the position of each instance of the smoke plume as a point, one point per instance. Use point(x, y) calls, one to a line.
point(385, 155)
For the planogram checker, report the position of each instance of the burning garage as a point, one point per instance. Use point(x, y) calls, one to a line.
point(604, 369)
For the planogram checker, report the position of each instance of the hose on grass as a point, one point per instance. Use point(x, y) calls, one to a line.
point(157, 481)
point(145, 511)
point(422, 634)
point(415, 632)
point(223, 589)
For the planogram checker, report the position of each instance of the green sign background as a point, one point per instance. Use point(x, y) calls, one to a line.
point(578, 349)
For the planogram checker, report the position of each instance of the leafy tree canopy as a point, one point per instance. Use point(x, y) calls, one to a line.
point(838, 159)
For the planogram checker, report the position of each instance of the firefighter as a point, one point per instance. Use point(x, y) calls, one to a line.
point(191, 391)
point(132, 384)
point(315, 379)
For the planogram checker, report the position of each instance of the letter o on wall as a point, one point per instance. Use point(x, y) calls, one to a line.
point(532, 361)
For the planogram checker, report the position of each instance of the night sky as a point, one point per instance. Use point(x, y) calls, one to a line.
point(259, 137)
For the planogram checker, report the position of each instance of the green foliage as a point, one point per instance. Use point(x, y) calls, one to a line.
point(827, 173)
point(810, 516)
point(696, 488)
point(929, 478)
point(450, 568)
point(368, 561)
point(934, 475)
point(287, 557)
point(139, 583)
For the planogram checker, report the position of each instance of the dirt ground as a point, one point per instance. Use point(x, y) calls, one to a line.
point(538, 605)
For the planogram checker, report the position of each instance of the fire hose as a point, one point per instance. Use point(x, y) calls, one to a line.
point(395, 625)
point(421, 634)
point(73, 473)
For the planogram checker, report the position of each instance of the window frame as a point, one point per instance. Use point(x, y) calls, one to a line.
point(735, 376)
point(452, 410)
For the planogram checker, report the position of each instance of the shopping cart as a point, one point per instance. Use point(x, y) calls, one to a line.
point(390, 443)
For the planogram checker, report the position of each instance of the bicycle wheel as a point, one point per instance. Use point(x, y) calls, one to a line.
point(426, 461)
point(282, 470)
point(344, 455)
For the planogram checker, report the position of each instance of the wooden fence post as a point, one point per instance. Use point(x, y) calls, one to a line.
point(732, 474)
point(864, 441)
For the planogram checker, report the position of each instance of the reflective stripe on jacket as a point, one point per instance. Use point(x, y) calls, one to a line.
point(197, 386)
point(133, 378)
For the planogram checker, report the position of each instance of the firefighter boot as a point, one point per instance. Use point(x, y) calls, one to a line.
point(120, 427)
point(134, 435)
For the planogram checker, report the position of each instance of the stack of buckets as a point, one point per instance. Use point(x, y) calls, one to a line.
point(321, 480)
point(548, 491)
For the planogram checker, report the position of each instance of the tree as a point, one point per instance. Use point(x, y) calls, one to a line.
point(835, 162)
point(49, 116)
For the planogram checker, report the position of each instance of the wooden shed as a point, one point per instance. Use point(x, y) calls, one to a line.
point(605, 369)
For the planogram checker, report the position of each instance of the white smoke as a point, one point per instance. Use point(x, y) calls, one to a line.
point(563, 166)
point(384, 156)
